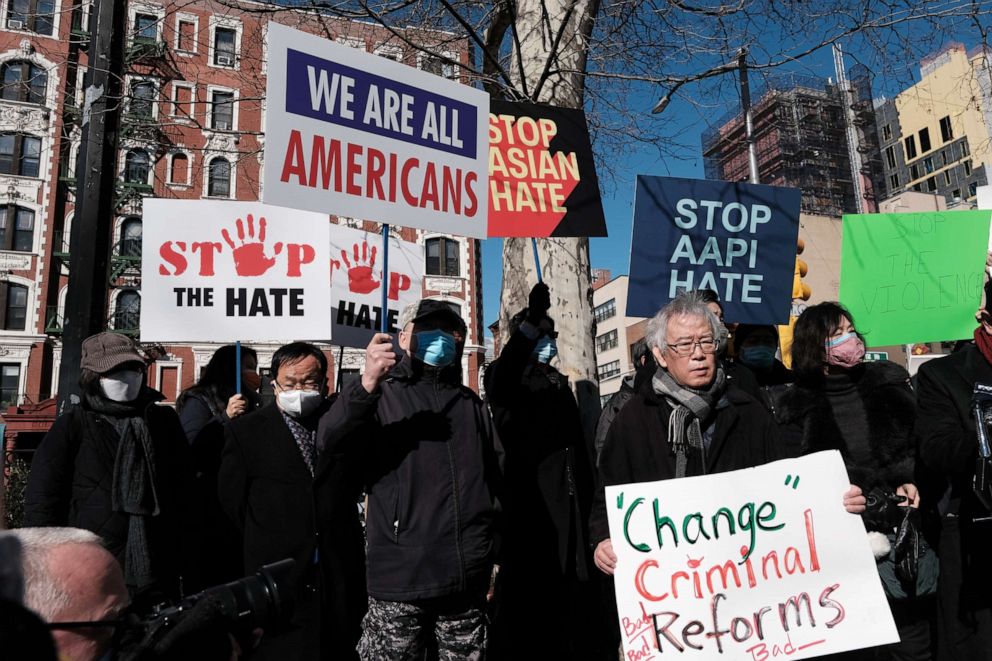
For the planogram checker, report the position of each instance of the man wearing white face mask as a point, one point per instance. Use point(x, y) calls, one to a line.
point(292, 499)
point(117, 465)
point(427, 447)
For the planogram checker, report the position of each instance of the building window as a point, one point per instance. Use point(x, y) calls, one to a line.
point(15, 306)
point(186, 36)
point(142, 103)
point(20, 154)
point(10, 380)
point(442, 256)
point(127, 314)
point(438, 66)
point(967, 168)
point(137, 166)
point(604, 400)
point(956, 194)
point(946, 132)
point(219, 178)
point(947, 177)
point(924, 140)
point(914, 171)
point(894, 181)
point(606, 341)
point(179, 169)
point(182, 101)
point(887, 132)
point(222, 111)
point(131, 237)
point(973, 189)
point(928, 164)
point(944, 156)
point(24, 81)
point(931, 184)
point(890, 156)
point(16, 228)
point(605, 310)
point(224, 46)
point(964, 148)
point(910, 143)
point(606, 370)
point(33, 15)
point(145, 28)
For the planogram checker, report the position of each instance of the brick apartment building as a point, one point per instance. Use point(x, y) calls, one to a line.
point(191, 128)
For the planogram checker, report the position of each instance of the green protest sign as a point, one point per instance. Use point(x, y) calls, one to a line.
point(914, 277)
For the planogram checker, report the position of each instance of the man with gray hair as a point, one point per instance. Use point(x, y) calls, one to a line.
point(69, 577)
point(691, 421)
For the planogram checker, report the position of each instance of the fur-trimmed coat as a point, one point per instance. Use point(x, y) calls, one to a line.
point(807, 423)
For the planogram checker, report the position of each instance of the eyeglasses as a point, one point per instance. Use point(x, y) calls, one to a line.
point(306, 385)
point(686, 347)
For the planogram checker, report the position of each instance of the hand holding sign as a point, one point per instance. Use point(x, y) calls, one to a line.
point(379, 359)
point(249, 257)
point(361, 280)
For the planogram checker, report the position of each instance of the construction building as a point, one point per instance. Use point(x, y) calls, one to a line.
point(807, 133)
point(616, 333)
point(191, 128)
point(935, 134)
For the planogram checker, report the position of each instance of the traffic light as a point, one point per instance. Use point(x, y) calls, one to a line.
point(800, 292)
point(800, 289)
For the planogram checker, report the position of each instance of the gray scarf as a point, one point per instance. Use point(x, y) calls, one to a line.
point(690, 407)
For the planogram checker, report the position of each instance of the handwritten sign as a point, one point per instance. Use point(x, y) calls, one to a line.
point(220, 271)
point(734, 238)
point(356, 281)
point(358, 135)
point(913, 277)
point(542, 177)
point(754, 564)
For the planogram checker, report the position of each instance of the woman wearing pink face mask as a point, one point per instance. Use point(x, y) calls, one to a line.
point(867, 412)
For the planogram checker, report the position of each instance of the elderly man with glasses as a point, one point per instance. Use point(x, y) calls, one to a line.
point(689, 422)
point(291, 499)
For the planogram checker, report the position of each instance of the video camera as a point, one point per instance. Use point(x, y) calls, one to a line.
point(262, 601)
point(981, 402)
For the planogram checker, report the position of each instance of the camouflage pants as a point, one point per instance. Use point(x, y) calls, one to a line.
point(402, 631)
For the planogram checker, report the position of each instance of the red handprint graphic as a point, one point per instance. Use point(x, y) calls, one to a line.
point(249, 257)
point(361, 280)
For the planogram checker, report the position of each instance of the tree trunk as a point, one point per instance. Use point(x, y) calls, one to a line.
point(564, 261)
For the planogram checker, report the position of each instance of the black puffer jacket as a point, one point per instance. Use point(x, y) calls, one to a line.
point(71, 484)
point(808, 423)
point(432, 471)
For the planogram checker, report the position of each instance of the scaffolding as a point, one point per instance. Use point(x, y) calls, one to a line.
point(800, 139)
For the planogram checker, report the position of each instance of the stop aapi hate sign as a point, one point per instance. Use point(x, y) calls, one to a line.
point(542, 177)
point(753, 564)
point(224, 271)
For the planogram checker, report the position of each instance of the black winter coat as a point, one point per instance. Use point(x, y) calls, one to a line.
point(284, 512)
point(71, 484)
point(637, 448)
point(808, 424)
point(432, 469)
point(548, 474)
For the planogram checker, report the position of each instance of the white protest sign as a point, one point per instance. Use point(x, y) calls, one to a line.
point(356, 281)
point(752, 564)
point(358, 135)
point(222, 271)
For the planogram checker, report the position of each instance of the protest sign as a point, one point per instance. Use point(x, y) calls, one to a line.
point(357, 135)
point(222, 271)
point(542, 178)
point(737, 239)
point(356, 278)
point(913, 277)
point(752, 564)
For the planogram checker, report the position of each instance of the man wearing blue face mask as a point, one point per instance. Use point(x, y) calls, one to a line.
point(292, 499)
point(549, 489)
point(756, 348)
point(432, 471)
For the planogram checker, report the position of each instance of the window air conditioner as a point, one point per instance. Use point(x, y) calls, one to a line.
point(15, 24)
point(222, 126)
point(225, 60)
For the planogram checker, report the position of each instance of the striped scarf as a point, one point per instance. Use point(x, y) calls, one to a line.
point(690, 407)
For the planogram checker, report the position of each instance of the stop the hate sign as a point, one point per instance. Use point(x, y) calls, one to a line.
point(353, 134)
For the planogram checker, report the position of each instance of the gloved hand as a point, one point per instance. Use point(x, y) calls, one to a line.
point(538, 303)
